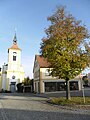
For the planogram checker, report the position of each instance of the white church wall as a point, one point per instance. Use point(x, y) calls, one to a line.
point(18, 55)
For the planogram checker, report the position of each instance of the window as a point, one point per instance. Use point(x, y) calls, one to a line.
point(47, 73)
point(14, 58)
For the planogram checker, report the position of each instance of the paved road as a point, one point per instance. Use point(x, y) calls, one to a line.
point(31, 107)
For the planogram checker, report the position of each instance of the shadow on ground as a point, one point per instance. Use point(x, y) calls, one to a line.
point(13, 114)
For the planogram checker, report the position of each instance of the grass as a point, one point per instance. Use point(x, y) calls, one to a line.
point(72, 101)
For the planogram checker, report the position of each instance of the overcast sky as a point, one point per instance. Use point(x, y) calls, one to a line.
point(29, 17)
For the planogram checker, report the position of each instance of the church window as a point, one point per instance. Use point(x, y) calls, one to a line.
point(14, 58)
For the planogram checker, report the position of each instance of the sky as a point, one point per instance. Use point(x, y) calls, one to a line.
point(29, 19)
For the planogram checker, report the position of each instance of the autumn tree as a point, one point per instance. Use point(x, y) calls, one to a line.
point(63, 46)
point(26, 81)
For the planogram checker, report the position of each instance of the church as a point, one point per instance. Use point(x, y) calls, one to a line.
point(13, 72)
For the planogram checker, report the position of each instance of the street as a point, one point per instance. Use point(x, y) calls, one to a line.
point(21, 106)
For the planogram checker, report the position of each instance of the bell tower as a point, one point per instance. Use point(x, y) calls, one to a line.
point(15, 72)
point(14, 54)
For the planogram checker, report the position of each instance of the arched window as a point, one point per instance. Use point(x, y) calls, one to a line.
point(14, 56)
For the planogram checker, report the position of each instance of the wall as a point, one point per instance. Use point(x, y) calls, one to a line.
point(36, 71)
point(45, 74)
point(14, 67)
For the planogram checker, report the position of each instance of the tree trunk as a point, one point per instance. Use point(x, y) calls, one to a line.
point(67, 89)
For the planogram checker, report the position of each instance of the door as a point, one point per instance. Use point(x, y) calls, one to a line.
point(12, 87)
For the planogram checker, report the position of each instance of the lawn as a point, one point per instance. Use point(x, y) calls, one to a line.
point(72, 101)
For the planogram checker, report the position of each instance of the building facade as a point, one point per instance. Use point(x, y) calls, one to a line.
point(0, 78)
point(43, 82)
point(88, 79)
point(13, 72)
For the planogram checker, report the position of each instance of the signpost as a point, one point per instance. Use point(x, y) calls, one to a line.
point(81, 75)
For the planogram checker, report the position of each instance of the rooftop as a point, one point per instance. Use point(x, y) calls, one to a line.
point(42, 61)
point(15, 46)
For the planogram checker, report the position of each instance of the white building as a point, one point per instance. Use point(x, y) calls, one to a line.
point(43, 82)
point(12, 73)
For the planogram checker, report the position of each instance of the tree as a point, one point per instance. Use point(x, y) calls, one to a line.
point(62, 46)
point(26, 81)
point(19, 87)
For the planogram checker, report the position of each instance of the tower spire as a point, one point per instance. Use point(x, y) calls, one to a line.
point(15, 39)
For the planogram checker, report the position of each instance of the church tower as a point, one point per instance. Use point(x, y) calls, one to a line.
point(15, 72)
point(14, 56)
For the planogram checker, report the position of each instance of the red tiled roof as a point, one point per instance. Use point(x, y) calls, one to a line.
point(15, 46)
point(42, 61)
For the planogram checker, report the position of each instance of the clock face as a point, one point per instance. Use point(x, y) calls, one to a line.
point(13, 77)
point(15, 41)
point(14, 53)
